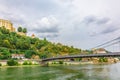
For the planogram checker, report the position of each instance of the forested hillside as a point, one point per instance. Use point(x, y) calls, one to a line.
point(13, 43)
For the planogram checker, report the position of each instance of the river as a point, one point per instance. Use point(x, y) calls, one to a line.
point(71, 72)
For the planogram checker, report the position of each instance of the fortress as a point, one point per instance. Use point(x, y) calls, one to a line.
point(7, 24)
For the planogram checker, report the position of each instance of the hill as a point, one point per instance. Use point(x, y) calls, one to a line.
point(13, 43)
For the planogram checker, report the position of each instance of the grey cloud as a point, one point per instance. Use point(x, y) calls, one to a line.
point(48, 35)
point(95, 20)
point(89, 19)
point(46, 30)
point(103, 21)
point(99, 25)
point(109, 30)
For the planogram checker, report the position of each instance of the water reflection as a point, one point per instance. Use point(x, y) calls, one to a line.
point(74, 72)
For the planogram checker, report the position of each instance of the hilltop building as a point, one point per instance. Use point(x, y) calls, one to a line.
point(21, 33)
point(7, 24)
point(33, 35)
point(100, 50)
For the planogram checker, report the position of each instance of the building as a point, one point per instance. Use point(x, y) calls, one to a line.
point(7, 24)
point(18, 56)
point(21, 33)
point(100, 50)
point(33, 35)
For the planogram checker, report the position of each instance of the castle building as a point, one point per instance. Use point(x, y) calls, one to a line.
point(7, 24)
point(33, 35)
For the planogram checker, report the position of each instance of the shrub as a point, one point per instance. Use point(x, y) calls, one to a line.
point(0, 64)
point(103, 59)
point(30, 63)
point(60, 62)
point(25, 63)
point(12, 62)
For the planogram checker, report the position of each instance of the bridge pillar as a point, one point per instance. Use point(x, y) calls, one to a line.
point(43, 63)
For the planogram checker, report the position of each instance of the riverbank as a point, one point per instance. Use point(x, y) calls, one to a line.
point(19, 66)
point(55, 63)
point(79, 63)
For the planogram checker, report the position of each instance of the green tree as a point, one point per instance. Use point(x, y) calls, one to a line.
point(4, 30)
point(6, 43)
point(12, 62)
point(5, 54)
point(19, 29)
point(0, 64)
point(24, 30)
point(29, 53)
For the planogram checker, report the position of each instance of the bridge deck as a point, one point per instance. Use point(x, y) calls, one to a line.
point(115, 54)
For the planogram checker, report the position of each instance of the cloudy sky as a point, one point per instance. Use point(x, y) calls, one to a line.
point(81, 23)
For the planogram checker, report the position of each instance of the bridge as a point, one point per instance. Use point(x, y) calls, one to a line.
point(115, 54)
point(104, 45)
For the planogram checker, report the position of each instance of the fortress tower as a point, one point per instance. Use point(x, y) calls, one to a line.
point(7, 24)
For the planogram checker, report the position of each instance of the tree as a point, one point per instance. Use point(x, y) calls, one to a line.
point(6, 43)
point(12, 62)
point(22, 44)
point(19, 29)
point(24, 30)
point(5, 54)
point(4, 30)
point(29, 53)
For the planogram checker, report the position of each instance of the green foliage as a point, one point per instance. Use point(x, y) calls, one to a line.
point(60, 62)
point(6, 43)
point(29, 53)
point(19, 29)
point(0, 64)
point(27, 63)
point(103, 59)
point(4, 30)
point(24, 30)
point(54, 62)
point(5, 53)
point(12, 43)
point(12, 62)
point(30, 63)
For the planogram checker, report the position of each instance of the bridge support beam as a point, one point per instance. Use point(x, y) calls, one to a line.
point(42, 63)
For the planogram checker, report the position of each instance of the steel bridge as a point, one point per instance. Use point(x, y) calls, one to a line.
point(115, 54)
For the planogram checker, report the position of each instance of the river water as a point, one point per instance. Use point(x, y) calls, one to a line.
point(71, 72)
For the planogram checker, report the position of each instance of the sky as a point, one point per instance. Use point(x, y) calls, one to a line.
point(80, 23)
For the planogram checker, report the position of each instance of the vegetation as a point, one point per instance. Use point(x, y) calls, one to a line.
point(12, 62)
point(20, 29)
point(13, 43)
point(27, 63)
point(61, 62)
point(103, 59)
